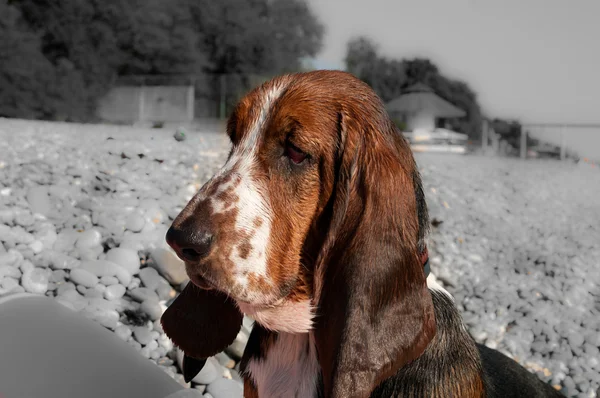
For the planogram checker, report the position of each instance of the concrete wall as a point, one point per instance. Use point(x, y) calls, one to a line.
point(420, 120)
point(121, 104)
point(129, 104)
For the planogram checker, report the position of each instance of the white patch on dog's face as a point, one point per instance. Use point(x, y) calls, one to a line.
point(254, 213)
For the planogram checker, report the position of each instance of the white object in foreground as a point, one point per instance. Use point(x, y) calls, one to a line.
point(50, 351)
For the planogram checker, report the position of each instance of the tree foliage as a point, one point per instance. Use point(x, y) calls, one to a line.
point(255, 36)
point(60, 57)
point(32, 86)
point(386, 76)
point(389, 77)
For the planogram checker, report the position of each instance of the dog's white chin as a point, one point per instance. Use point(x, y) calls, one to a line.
point(286, 316)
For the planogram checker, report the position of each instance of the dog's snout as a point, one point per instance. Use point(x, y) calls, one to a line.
point(191, 245)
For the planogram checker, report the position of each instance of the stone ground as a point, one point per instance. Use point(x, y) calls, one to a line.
point(84, 210)
point(518, 248)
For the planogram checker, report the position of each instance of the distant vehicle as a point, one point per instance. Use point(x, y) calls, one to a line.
point(438, 140)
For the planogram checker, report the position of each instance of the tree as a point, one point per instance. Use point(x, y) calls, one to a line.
point(80, 47)
point(83, 46)
point(248, 41)
point(33, 87)
point(388, 77)
point(75, 50)
point(361, 57)
point(255, 36)
point(157, 38)
point(421, 70)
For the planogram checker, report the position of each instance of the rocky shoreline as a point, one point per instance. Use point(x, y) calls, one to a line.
point(84, 210)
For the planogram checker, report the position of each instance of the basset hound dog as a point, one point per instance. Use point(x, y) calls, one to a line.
point(315, 227)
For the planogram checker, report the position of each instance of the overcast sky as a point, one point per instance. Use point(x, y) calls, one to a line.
point(533, 60)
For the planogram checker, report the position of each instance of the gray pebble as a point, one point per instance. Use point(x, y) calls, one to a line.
point(145, 351)
point(9, 270)
point(575, 339)
point(83, 277)
point(179, 378)
point(180, 134)
point(134, 344)
point(200, 387)
point(114, 292)
point(58, 275)
point(150, 278)
point(169, 266)
point(142, 293)
point(225, 361)
point(135, 222)
point(60, 260)
point(152, 345)
point(142, 335)
point(209, 373)
point(123, 331)
point(35, 281)
point(109, 280)
point(593, 338)
point(10, 285)
point(100, 287)
point(152, 308)
point(92, 293)
point(165, 291)
point(134, 284)
point(225, 388)
point(164, 361)
point(126, 258)
point(63, 287)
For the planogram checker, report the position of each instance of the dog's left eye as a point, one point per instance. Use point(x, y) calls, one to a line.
point(294, 153)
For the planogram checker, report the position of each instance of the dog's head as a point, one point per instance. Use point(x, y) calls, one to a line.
point(317, 218)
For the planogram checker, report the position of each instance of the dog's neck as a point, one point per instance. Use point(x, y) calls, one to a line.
point(288, 317)
point(450, 365)
point(286, 364)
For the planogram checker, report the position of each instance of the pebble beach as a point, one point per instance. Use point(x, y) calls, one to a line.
point(84, 210)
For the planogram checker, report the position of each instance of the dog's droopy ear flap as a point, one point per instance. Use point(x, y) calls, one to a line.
point(375, 313)
point(202, 323)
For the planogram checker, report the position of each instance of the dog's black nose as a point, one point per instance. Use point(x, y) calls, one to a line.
point(190, 244)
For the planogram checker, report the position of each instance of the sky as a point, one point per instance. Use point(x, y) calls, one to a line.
point(537, 61)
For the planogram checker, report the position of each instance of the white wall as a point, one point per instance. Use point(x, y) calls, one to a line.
point(148, 104)
point(420, 121)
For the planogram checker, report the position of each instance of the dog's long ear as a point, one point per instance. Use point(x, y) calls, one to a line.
point(375, 313)
point(202, 323)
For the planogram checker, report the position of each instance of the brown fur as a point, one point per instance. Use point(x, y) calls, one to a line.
point(347, 232)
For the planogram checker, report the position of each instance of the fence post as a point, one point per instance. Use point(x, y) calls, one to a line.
point(190, 102)
point(141, 103)
point(223, 104)
point(563, 143)
point(484, 136)
point(523, 143)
